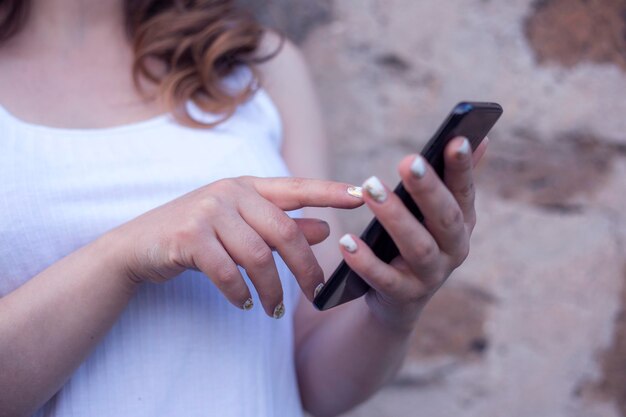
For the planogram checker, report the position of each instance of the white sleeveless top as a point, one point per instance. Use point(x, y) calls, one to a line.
point(179, 348)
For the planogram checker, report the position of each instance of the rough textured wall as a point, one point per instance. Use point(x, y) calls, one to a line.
point(534, 324)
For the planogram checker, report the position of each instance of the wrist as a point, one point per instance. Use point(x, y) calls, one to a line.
point(393, 317)
point(116, 254)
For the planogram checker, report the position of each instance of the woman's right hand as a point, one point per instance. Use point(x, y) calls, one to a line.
point(237, 221)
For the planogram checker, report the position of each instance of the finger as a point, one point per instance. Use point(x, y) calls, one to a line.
point(382, 277)
point(458, 177)
point(295, 193)
point(215, 262)
point(416, 244)
point(479, 152)
point(248, 249)
point(314, 230)
point(282, 232)
point(442, 215)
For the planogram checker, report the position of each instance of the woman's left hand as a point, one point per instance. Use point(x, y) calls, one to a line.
point(429, 252)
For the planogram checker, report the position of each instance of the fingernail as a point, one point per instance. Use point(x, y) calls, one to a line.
point(464, 149)
point(375, 189)
point(348, 243)
point(248, 304)
point(323, 222)
point(355, 192)
point(418, 167)
point(318, 289)
point(279, 311)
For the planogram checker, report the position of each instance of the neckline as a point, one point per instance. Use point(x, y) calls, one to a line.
point(116, 129)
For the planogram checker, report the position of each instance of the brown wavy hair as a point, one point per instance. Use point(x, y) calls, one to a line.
point(197, 44)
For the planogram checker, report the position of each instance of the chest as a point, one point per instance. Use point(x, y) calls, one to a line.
point(93, 91)
point(61, 190)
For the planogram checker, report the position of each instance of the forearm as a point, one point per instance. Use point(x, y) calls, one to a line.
point(347, 357)
point(49, 325)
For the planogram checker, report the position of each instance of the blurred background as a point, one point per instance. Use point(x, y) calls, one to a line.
point(534, 323)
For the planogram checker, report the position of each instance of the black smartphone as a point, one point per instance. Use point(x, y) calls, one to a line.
point(472, 120)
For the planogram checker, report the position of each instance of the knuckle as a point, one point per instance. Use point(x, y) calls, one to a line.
point(187, 232)
point(229, 186)
point(451, 218)
point(245, 179)
point(297, 183)
point(287, 229)
point(260, 255)
point(220, 185)
point(209, 205)
point(227, 277)
point(246, 182)
point(425, 253)
point(466, 192)
point(299, 186)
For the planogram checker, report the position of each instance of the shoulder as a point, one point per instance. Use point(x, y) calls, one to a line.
point(286, 62)
point(287, 80)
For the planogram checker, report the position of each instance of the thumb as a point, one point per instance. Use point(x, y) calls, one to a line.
point(314, 230)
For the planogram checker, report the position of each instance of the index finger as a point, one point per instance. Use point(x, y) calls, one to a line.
point(295, 193)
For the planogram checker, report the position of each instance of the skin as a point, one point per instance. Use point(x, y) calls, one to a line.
point(335, 349)
point(43, 339)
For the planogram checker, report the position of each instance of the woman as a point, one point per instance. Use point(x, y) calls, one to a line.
point(138, 159)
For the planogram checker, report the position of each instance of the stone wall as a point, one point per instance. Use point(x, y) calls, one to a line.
point(534, 323)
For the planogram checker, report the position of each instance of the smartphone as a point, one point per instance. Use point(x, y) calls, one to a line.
point(472, 120)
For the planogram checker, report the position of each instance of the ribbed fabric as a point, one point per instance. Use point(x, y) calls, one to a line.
point(179, 349)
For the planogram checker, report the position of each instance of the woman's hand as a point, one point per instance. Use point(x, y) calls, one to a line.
point(232, 222)
point(428, 252)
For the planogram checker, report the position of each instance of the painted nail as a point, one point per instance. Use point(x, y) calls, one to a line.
point(248, 304)
point(279, 311)
point(348, 243)
point(464, 149)
point(375, 189)
point(355, 192)
point(318, 289)
point(418, 167)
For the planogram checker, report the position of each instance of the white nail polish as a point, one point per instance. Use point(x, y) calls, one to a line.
point(465, 148)
point(355, 192)
point(418, 167)
point(248, 304)
point(318, 289)
point(375, 189)
point(279, 311)
point(348, 243)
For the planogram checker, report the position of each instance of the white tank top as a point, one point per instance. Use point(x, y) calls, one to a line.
point(179, 348)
